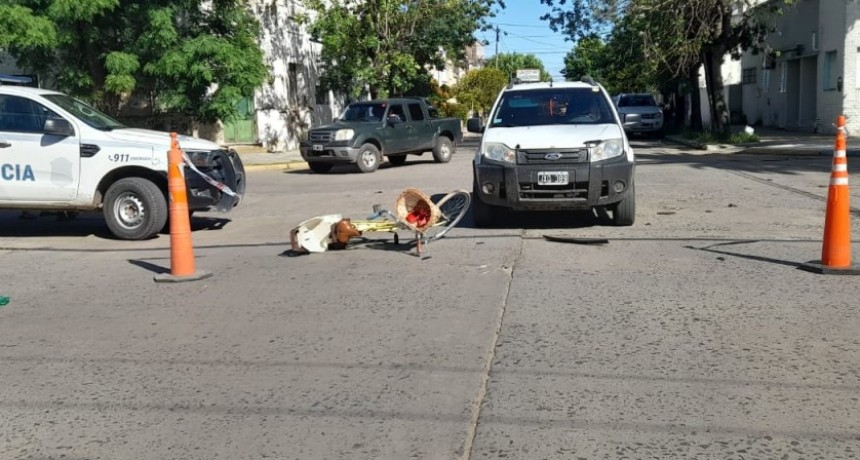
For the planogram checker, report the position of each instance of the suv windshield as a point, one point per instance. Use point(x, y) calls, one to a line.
point(552, 106)
point(637, 100)
point(363, 112)
point(84, 112)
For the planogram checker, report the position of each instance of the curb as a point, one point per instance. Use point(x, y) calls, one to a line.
point(288, 166)
point(753, 149)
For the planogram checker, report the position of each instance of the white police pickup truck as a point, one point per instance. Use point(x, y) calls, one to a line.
point(60, 154)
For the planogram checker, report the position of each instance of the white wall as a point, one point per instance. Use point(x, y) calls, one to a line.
point(286, 106)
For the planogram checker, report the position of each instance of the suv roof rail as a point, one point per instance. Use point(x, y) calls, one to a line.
point(589, 80)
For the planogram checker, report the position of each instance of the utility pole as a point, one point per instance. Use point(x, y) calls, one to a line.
point(496, 55)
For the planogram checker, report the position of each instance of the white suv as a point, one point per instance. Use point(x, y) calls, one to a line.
point(553, 146)
point(60, 154)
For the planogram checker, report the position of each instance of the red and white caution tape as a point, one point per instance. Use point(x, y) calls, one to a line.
point(222, 187)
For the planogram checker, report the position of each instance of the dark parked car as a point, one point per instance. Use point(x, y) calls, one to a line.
point(639, 112)
point(366, 131)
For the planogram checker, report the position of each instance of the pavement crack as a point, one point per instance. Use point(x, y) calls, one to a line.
point(478, 403)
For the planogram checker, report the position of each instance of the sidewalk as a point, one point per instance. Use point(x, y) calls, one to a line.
point(256, 158)
point(775, 141)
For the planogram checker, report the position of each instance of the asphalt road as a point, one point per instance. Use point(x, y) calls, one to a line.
point(691, 334)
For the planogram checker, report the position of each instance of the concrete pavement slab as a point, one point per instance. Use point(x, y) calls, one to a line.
point(698, 363)
point(385, 363)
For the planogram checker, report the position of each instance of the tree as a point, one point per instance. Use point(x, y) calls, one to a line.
point(479, 88)
point(195, 57)
point(679, 35)
point(588, 57)
point(387, 45)
point(510, 62)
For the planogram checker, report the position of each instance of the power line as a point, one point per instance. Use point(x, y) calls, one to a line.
point(523, 25)
point(533, 41)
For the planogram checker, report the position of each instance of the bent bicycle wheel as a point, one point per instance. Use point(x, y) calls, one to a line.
point(453, 207)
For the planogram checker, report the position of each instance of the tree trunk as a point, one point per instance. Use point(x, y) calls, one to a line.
point(714, 81)
point(695, 101)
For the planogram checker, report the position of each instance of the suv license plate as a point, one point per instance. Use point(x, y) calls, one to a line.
point(318, 147)
point(553, 178)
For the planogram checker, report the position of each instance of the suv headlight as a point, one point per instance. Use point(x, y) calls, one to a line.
point(344, 134)
point(499, 152)
point(609, 148)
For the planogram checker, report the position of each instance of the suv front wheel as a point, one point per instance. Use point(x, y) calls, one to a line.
point(483, 214)
point(624, 212)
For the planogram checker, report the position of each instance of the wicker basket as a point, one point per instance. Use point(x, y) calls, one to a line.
point(406, 203)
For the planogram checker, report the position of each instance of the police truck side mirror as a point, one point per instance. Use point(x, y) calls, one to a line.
point(473, 125)
point(59, 127)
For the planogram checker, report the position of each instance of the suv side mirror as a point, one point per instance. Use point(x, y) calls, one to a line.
point(393, 119)
point(59, 127)
point(473, 125)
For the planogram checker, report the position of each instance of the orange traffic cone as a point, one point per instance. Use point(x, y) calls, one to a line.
point(181, 250)
point(836, 249)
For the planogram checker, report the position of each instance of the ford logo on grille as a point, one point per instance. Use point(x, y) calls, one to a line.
point(552, 156)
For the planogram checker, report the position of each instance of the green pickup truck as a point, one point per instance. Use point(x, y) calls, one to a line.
point(366, 131)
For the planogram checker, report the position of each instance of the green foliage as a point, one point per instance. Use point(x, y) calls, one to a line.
point(388, 45)
point(195, 57)
point(509, 63)
point(479, 88)
point(744, 138)
point(22, 31)
point(711, 137)
point(588, 57)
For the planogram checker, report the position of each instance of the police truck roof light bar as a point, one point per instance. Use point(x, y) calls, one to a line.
point(14, 80)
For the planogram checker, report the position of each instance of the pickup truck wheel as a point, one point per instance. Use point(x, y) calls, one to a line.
point(624, 212)
point(397, 160)
point(320, 168)
point(443, 150)
point(368, 158)
point(135, 208)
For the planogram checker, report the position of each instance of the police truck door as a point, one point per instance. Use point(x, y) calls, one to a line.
point(34, 165)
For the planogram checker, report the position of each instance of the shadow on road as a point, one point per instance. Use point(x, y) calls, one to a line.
point(88, 224)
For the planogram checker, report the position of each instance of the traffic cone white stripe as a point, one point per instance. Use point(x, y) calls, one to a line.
point(839, 154)
point(840, 167)
point(839, 181)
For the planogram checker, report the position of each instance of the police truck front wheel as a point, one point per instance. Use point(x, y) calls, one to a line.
point(135, 208)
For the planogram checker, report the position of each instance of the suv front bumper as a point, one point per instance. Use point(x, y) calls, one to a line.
point(515, 186)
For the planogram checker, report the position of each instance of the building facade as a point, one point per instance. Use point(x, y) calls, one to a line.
point(811, 75)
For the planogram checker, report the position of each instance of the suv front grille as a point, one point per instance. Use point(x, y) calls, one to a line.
point(533, 191)
point(321, 136)
point(544, 156)
point(650, 116)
